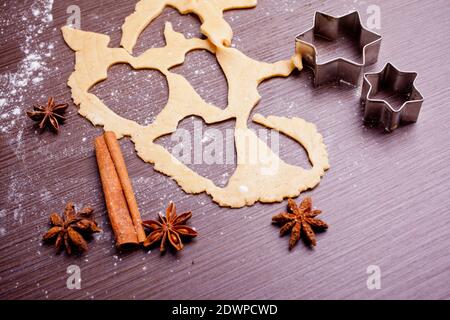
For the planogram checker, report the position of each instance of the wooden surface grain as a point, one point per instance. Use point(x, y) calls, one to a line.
point(386, 196)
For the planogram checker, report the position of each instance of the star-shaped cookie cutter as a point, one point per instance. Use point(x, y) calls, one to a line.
point(332, 28)
point(398, 82)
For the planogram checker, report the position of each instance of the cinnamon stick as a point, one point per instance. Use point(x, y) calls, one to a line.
point(116, 203)
point(119, 163)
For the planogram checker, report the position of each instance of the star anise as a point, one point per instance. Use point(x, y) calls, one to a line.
point(50, 115)
point(300, 221)
point(70, 231)
point(170, 227)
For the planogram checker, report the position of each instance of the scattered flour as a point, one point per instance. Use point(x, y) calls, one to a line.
point(16, 111)
point(45, 195)
point(243, 189)
point(2, 216)
point(31, 71)
point(23, 80)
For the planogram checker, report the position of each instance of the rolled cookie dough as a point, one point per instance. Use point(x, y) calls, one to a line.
point(268, 179)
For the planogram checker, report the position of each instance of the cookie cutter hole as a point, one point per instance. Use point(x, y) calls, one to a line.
point(207, 149)
point(138, 95)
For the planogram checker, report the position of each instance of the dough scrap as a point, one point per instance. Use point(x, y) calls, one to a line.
point(210, 13)
point(268, 179)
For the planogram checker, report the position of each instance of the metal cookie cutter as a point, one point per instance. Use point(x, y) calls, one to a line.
point(332, 28)
point(395, 81)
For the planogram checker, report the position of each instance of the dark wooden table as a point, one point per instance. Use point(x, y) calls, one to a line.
point(386, 196)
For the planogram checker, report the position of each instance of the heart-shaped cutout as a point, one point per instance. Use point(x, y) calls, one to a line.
point(207, 149)
point(138, 95)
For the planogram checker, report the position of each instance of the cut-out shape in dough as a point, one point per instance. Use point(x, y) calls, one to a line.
point(208, 150)
point(268, 179)
point(147, 97)
point(204, 73)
